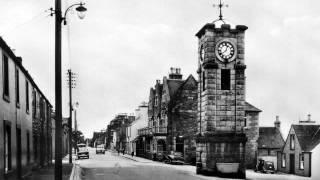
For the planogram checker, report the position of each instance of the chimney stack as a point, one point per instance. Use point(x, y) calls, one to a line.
point(277, 122)
point(309, 117)
point(308, 121)
point(175, 73)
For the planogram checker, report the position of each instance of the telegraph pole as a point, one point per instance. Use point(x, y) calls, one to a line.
point(70, 115)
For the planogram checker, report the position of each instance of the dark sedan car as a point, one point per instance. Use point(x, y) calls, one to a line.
point(265, 166)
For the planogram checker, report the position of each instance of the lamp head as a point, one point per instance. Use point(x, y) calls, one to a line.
point(81, 11)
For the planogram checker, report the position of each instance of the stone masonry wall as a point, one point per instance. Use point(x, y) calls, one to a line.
point(252, 132)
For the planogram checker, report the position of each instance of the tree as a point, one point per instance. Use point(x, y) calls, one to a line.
point(77, 138)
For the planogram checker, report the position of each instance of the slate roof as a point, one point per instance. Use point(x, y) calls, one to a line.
point(308, 136)
point(270, 137)
point(250, 108)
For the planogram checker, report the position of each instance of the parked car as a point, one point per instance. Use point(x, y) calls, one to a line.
point(100, 149)
point(82, 151)
point(175, 158)
point(265, 166)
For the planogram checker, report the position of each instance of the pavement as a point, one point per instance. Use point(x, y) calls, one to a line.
point(47, 173)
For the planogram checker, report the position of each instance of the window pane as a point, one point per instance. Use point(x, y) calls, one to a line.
point(17, 87)
point(5, 76)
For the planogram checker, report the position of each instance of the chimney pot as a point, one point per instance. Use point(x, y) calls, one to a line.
point(277, 122)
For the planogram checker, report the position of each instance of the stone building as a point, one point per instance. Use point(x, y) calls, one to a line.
point(227, 124)
point(21, 133)
point(172, 118)
point(296, 156)
point(270, 142)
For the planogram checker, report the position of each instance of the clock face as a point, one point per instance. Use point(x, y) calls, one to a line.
point(202, 53)
point(226, 51)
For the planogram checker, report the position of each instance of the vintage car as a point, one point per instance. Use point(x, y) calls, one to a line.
point(265, 166)
point(175, 158)
point(82, 151)
point(100, 149)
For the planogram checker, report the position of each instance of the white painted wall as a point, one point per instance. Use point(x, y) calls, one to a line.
point(141, 121)
point(315, 163)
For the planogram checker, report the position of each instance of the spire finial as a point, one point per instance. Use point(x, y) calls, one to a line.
point(220, 6)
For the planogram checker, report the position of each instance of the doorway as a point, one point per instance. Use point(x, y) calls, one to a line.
point(19, 153)
point(292, 162)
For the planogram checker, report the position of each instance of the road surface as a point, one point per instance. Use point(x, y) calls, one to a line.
point(111, 166)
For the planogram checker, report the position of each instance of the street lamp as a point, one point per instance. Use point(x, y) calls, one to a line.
point(58, 89)
point(80, 9)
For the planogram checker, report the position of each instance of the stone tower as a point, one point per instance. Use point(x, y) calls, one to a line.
point(221, 100)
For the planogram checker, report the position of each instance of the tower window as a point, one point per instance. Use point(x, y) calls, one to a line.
point(225, 79)
point(203, 81)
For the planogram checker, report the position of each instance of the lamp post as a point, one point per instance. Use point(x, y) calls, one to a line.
point(75, 107)
point(58, 90)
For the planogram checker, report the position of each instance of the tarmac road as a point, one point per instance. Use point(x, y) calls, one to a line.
point(111, 166)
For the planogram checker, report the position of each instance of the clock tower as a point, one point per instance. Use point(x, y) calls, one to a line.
point(221, 138)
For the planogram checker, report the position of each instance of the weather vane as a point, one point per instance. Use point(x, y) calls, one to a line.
point(220, 6)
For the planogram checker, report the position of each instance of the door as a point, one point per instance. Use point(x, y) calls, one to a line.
point(292, 162)
point(19, 152)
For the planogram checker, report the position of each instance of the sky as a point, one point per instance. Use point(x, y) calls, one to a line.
point(122, 47)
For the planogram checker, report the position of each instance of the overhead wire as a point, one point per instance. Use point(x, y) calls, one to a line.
point(35, 18)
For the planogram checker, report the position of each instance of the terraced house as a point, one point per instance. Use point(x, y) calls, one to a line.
point(25, 122)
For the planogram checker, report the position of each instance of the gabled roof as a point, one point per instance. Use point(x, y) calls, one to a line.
point(307, 135)
point(270, 137)
point(173, 86)
point(250, 108)
point(315, 140)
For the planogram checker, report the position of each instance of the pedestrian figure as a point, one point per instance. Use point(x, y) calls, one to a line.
point(123, 151)
point(118, 151)
point(132, 153)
